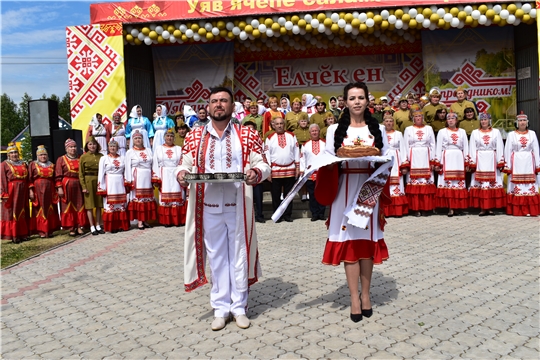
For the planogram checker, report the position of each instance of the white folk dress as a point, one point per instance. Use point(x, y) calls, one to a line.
point(172, 196)
point(348, 243)
point(420, 190)
point(397, 149)
point(452, 157)
point(142, 204)
point(118, 134)
point(111, 186)
point(486, 158)
point(523, 164)
point(161, 125)
point(99, 132)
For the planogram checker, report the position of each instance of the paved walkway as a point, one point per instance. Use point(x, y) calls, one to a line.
point(461, 287)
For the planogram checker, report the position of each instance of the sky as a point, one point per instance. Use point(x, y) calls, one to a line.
point(33, 45)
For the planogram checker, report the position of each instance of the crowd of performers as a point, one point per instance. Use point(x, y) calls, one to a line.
point(448, 158)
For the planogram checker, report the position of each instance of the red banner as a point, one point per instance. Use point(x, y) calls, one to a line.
point(155, 11)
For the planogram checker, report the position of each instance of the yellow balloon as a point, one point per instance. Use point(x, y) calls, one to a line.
point(129, 38)
point(248, 29)
point(256, 33)
point(282, 31)
point(502, 22)
point(398, 13)
point(355, 23)
point(348, 17)
point(145, 31)
point(490, 14)
point(327, 22)
point(454, 11)
point(412, 23)
point(275, 26)
point(363, 28)
point(370, 30)
point(230, 35)
point(153, 35)
point(288, 17)
point(221, 25)
point(512, 8)
point(483, 9)
point(441, 23)
point(209, 36)
point(202, 31)
point(468, 20)
point(302, 23)
point(406, 18)
point(137, 41)
point(334, 28)
point(185, 38)
point(370, 14)
point(377, 19)
point(269, 22)
point(384, 25)
point(242, 25)
point(434, 18)
point(177, 33)
point(223, 33)
point(447, 26)
point(526, 18)
point(321, 17)
point(475, 23)
point(160, 40)
point(295, 19)
point(309, 28)
point(426, 12)
point(171, 28)
point(195, 27)
point(342, 15)
point(462, 15)
point(392, 27)
point(519, 13)
point(496, 19)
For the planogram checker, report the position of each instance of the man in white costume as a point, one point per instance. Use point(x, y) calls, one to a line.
point(220, 220)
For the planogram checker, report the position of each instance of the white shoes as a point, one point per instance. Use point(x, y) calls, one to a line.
point(242, 321)
point(219, 323)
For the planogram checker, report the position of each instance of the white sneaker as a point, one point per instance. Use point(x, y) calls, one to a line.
point(219, 323)
point(242, 321)
point(281, 197)
point(304, 197)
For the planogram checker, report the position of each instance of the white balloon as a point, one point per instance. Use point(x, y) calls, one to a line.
point(392, 19)
point(315, 23)
point(468, 9)
point(204, 39)
point(476, 14)
point(296, 29)
point(255, 23)
point(183, 28)
point(208, 26)
point(159, 30)
point(308, 18)
point(202, 23)
point(134, 32)
point(454, 22)
point(165, 34)
point(504, 14)
point(355, 31)
point(229, 26)
point(399, 24)
point(147, 41)
point(426, 23)
point(370, 22)
point(497, 9)
point(460, 7)
point(328, 14)
point(197, 37)
point(152, 27)
point(251, 37)
point(517, 22)
point(172, 39)
point(243, 35)
point(362, 17)
point(249, 19)
point(385, 14)
point(281, 21)
point(413, 12)
point(334, 17)
point(526, 8)
point(441, 12)
point(447, 17)
point(236, 31)
point(461, 25)
point(405, 26)
point(482, 19)
point(177, 24)
point(215, 31)
point(275, 18)
point(141, 36)
point(341, 23)
point(328, 31)
point(432, 26)
point(262, 28)
point(511, 19)
point(289, 25)
point(129, 28)
point(269, 32)
point(355, 14)
point(532, 13)
point(189, 33)
point(321, 28)
point(302, 31)
point(419, 18)
point(488, 22)
point(348, 28)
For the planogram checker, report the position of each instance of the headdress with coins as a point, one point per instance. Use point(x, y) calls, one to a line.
point(136, 134)
point(485, 116)
point(41, 150)
point(12, 147)
point(451, 115)
point(521, 116)
point(113, 142)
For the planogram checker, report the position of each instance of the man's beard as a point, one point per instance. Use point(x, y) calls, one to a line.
point(223, 117)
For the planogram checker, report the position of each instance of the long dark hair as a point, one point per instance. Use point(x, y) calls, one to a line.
point(345, 120)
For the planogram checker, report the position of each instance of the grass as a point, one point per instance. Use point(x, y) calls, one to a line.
point(14, 253)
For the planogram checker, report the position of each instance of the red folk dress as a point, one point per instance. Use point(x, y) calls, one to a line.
point(45, 219)
point(72, 204)
point(14, 218)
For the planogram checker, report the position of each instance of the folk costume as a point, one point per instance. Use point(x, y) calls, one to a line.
point(309, 152)
point(292, 119)
point(486, 158)
point(111, 186)
point(283, 154)
point(420, 189)
point(172, 197)
point(118, 134)
point(398, 149)
point(452, 156)
point(309, 107)
point(268, 117)
point(142, 124)
point(88, 177)
point(348, 243)
point(522, 166)
point(14, 217)
point(72, 203)
point(45, 219)
point(220, 219)
point(100, 132)
point(402, 120)
point(139, 178)
point(161, 124)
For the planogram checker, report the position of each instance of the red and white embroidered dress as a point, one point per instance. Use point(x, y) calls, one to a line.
point(45, 219)
point(118, 134)
point(139, 176)
point(397, 149)
point(197, 158)
point(486, 158)
point(452, 156)
point(14, 215)
point(72, 203)
point(111, 186)
point(283, 154)
point(523, 166)
point(348, 243)
point(309, 152)
point(172, 197)
point(420, 189)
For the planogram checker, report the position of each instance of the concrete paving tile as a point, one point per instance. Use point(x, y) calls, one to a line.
point(524, 352)
point(124, 346)
point(141, 353)
point(382, 355)
point(267, 352)
point(294, 331)
point(23, 353)
point(45, 347)
point(61, 353)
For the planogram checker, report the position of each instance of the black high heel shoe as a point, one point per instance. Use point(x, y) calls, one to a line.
point(356, 317)
point(366, 312)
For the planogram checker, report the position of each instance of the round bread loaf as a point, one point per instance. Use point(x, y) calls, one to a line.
point(353, 151)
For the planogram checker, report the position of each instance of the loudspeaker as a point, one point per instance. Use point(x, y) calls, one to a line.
point(43, 140)
point(60, 137)
point(43, 117)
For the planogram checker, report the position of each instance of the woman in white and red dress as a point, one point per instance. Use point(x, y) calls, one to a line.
point(522, 166)
point(111, 186)
point(45, 218)
point(452, 157)
point(14, 192)
point(396, 148)
point(357, 248)
point(486, 159)
point(138, 175)
point(420, 142)
point(172, 209)
point(118, 133)
point(100, 131)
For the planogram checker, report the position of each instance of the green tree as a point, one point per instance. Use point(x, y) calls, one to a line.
point(64, 108)
point(10, 120)
point(23, 109)
point(26, 147)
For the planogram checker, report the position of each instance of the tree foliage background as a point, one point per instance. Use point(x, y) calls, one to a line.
point(14, 118)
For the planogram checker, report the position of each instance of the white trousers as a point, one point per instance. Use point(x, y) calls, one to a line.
point(219, 232)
